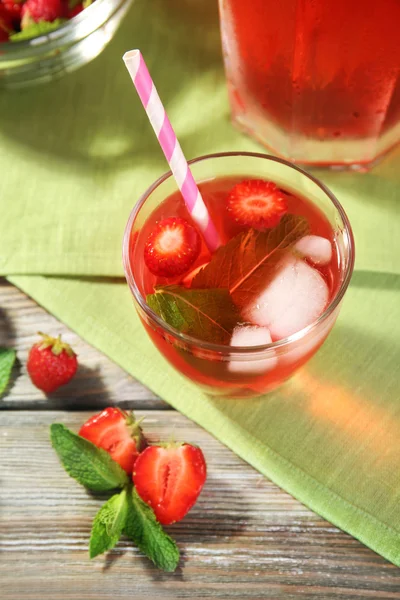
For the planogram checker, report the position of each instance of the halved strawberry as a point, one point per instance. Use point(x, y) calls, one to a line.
point(117, 432)
point(170, 479)
point(256, 203)
point(172, 247)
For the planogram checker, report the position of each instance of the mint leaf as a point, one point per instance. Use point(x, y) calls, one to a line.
point(206, 314)
point(93, 467)
point(146, 532)
point(108, 524)
point(245, 263)
point(36, 29)
point(7, 360)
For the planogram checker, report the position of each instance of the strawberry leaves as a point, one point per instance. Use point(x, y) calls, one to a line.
point(7, 359)
point(123, 512)
point(37, 29)
point(245, 263)
point(206, 314)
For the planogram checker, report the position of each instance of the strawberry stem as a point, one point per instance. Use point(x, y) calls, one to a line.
point(56, 344)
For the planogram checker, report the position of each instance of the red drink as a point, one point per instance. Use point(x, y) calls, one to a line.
point(291, 285)
point(316, 80)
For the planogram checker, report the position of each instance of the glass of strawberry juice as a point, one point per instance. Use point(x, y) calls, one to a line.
point(242, 320)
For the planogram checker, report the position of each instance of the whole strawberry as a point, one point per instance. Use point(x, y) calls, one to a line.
point(51, 363)
point(6, 25)
point(14, 8)
point(34, 11)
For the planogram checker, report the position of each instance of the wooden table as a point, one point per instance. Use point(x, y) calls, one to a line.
point(245, 538)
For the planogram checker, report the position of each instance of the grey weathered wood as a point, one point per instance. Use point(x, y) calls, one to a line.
point(99, 382)
point(245, 538)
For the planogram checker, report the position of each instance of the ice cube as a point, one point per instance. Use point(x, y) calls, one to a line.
point(248, 335)
point(316, 248)
point(293, 299)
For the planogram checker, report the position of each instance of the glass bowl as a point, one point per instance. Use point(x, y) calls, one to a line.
point(72, 45)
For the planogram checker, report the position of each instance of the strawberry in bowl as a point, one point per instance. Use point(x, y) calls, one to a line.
point(43, 40)
point(24, 19)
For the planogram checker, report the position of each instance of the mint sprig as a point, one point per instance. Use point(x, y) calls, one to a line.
point(207, 314)
point(108, 524)
point(124, 512)
point(93, 467)
point(7, 359)
point(144, 529)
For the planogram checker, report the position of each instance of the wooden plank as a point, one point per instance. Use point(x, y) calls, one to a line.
point(98, 382)
point(245, 538)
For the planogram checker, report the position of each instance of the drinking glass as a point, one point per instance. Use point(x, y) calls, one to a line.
point(206, 363)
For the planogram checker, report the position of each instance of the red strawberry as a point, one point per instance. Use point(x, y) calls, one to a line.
point(256, 203)
point(172, 247)
point(72, 12)
point(6, 25)
point(118, 433)
point(170, 479)
point(51, 363)
point(13, 7)
point(41, 10)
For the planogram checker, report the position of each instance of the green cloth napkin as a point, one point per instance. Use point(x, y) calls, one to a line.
point(76, 155)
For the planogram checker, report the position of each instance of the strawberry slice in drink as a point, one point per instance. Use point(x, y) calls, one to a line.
point(172, 247)
point(256, 203)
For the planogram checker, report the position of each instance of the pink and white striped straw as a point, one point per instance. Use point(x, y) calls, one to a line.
point(158, 118)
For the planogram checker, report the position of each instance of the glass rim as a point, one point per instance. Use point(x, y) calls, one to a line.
point(224, 348)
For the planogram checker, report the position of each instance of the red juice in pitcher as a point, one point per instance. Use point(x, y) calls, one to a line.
point(275, 274)
point(316, 80)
